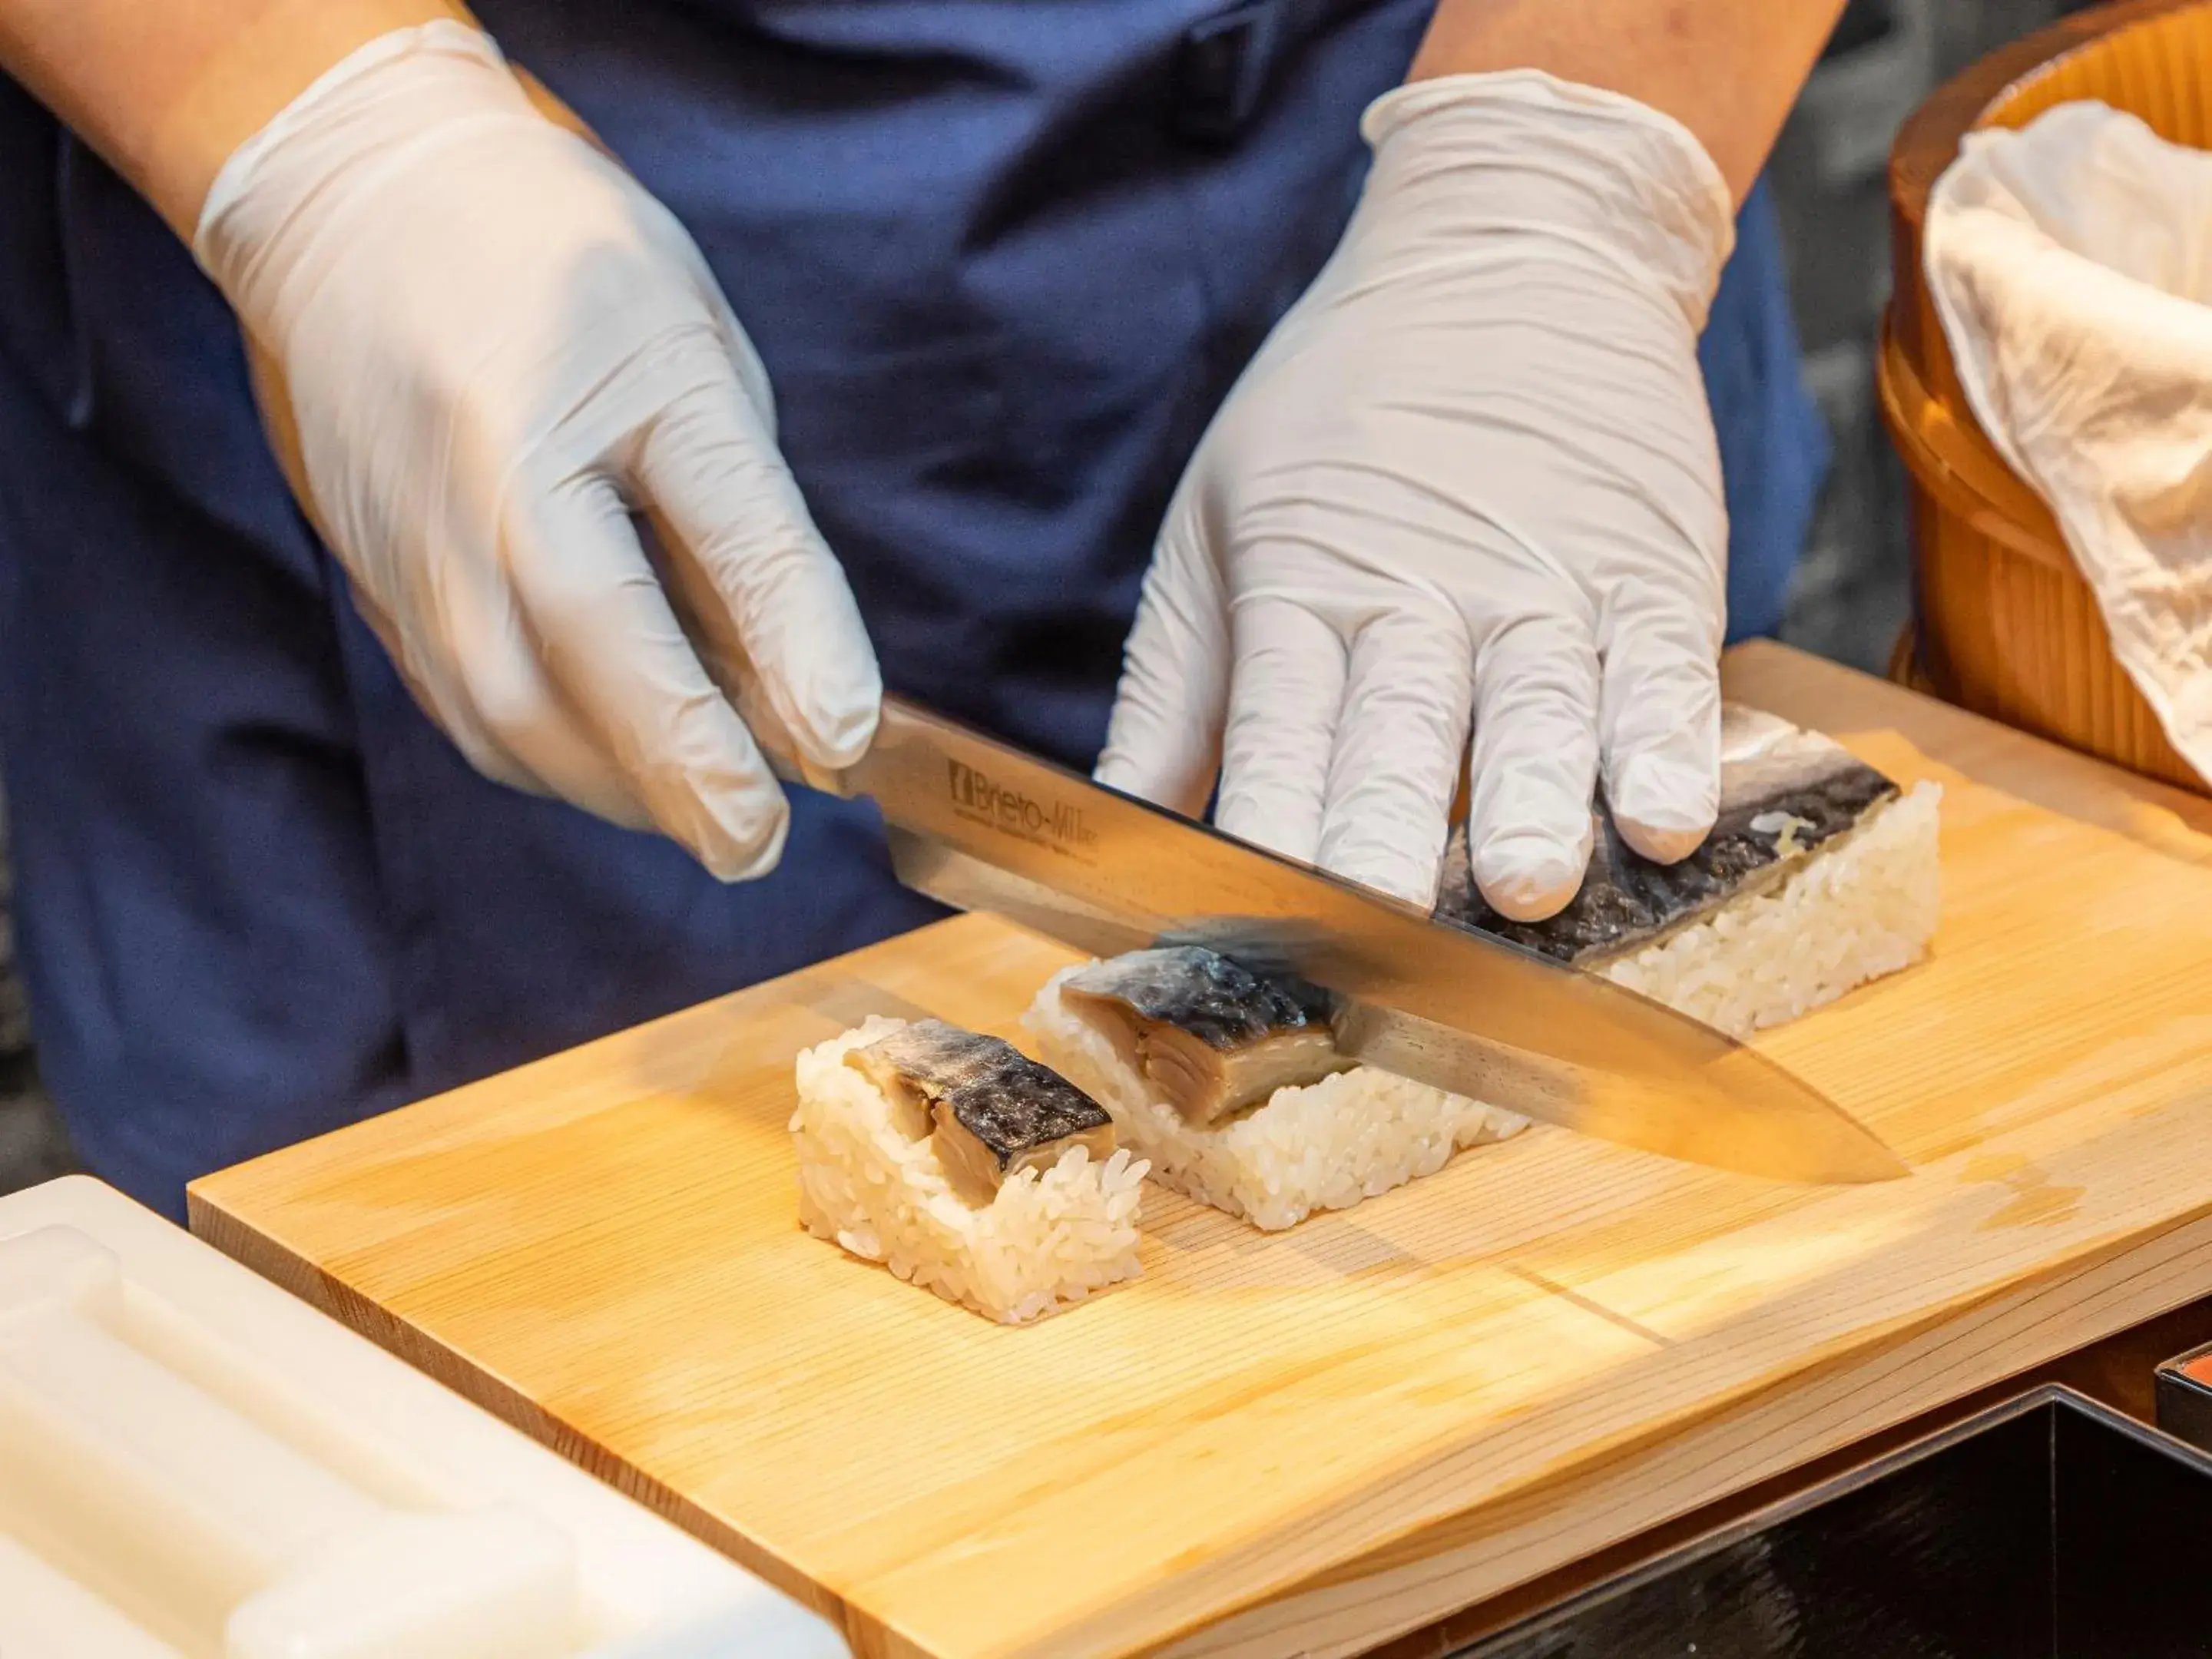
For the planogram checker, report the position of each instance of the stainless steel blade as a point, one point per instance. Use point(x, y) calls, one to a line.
point(981, 825)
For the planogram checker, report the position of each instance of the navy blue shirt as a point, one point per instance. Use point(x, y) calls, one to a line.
point(1002, 263)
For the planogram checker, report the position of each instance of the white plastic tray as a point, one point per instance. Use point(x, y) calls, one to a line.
point(196, 1465)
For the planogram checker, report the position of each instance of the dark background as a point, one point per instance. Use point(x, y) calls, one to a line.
point(1852, 591)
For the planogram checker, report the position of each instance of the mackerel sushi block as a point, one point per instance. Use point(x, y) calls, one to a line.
point(1820, 875)
point(963, 1166)
point(1229, 1083)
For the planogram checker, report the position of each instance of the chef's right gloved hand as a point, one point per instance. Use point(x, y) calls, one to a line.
point(496, 348)
point(1470, 476)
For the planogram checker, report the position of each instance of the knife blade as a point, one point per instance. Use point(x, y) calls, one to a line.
point(979, 824)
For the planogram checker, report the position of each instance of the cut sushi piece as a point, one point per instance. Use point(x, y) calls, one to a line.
point(1210, 1035)
point(873, 1175)
point(990, 1111)
point(1818, 876)
point(1326, 1141)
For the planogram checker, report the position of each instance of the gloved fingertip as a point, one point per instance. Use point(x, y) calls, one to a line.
point(1411, 880)
point(1664, 807)
point(838, 737)
point(834, 710)
point(1286, 834)
point(741, 837)
point(1118, 771)
point(1660, 846)
point(1527, 876)
point(1182, 786)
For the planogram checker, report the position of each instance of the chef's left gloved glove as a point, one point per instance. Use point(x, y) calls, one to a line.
point(496, 348)
point(1471, 474)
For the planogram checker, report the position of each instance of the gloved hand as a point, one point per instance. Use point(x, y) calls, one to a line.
point(497, 347)
point(1472, 473)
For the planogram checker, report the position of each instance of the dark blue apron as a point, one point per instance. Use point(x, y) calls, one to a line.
point(1002, 261)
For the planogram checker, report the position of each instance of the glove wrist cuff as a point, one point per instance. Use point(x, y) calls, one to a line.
point(394, 88)
point(1521, 151)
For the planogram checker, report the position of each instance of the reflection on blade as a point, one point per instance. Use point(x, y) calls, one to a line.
point(983, 826)
point(952, 877)
point(1794, 1134)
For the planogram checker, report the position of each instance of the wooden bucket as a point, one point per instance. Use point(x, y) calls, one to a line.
point(2004, 622)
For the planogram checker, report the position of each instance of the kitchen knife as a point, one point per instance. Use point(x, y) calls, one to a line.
point(980, 825)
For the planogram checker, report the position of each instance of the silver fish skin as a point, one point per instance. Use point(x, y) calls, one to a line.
point(989, 1109)
point(1785, 793)
point(1209, 1033)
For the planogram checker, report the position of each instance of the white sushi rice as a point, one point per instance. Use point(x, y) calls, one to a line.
point(1322, 1146)
point(1047, 1239)
point(1861, 906)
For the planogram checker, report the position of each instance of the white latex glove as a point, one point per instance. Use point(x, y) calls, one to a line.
point(2071, 265)
point(497, 346)
point(1472, 473)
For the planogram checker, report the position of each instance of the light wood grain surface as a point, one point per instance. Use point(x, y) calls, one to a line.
point(1310, 1441)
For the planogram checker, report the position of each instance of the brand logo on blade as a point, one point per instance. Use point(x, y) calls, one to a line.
point(1059, 827)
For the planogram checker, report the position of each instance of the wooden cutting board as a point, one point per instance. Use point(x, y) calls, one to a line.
point(1308, 1442)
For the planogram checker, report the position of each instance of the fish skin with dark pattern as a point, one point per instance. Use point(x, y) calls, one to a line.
point(990, 1109)
point(1784, 795)
point(1215, 1035)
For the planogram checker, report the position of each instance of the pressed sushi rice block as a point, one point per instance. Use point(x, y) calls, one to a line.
point(1866, 908)
point(1323, 1142)
point(1820, 875)
point(1038, 1208)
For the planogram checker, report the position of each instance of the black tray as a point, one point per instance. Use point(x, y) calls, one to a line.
point(2048, 1527)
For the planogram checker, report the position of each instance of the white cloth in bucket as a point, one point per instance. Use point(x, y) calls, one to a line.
point(2071, 265)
